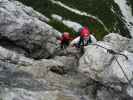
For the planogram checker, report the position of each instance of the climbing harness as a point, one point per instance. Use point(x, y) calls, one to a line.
point(117, 53)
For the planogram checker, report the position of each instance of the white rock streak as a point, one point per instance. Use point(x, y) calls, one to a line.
point(127, 14)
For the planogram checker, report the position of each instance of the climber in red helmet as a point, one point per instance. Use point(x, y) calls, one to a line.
point(84, 37)
point(65, 39)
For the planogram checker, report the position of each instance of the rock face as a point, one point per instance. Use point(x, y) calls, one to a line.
point(26, 29)
point(21, 94)
point(39, 69)
point(104, 67)
point(130, 45)
point(22, 78)
point(118, 42)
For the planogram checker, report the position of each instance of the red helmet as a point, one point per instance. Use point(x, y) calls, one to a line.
point(66, 35)
point(85, 32)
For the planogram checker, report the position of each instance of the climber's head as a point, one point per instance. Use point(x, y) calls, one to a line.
point(66, 35)
point(85, 32)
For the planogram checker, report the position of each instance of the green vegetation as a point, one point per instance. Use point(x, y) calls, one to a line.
point(97, 8)
point(131, 3)
point(101, 9)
